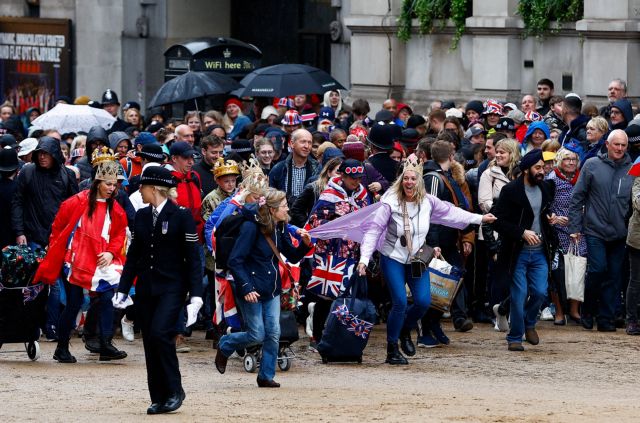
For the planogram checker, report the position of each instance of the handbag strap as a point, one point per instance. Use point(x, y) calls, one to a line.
point(407, 227)
point(277, 254)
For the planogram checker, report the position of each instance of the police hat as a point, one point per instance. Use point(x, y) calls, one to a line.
point(158, 176)
point(110, 97)
point(383, 135)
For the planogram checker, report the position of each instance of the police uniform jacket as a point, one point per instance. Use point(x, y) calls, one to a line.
point(165, 258)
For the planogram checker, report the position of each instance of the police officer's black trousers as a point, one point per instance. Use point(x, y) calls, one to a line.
point(157, 316)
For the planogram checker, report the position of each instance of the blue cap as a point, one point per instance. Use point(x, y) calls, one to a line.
point(145, 138)
point(327, 113)
point(182, 148)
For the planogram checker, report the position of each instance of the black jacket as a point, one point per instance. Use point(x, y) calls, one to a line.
point(39, 194)
point(302, 206)
point(384, 164)
point(515, 215)
point(166, 259)
point(96, 133)
point(254, 266)
point(577, 130)
point(7, 191)
point(207, 181)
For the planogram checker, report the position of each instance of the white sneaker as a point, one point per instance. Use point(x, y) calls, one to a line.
point(502, 324)
point(127, 329)
point(546, 314)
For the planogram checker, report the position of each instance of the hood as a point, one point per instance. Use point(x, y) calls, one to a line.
point(51, 146)
point(250, 211)
point(95, 133)
point(604, 156)
point(537, 125)
point(578, 122)
point(624, 106)
point(458, 173)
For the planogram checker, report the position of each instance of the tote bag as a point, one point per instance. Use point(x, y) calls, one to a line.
point(575, 268)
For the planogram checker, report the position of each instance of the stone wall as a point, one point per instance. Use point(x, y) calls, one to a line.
point(492, 59)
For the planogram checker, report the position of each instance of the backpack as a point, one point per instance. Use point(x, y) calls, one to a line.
point(226, 235)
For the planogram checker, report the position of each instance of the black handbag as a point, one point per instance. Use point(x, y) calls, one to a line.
point(421, 259)
point(288, 327)
point(350, 321)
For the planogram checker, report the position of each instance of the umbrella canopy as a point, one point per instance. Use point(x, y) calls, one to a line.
point(192, 85)
point(287, 79)
point(74, 118)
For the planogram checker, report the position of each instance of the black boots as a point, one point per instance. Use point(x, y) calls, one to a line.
point(62, 354)
point(109, 352)
point(393, 354)
point(406, 343)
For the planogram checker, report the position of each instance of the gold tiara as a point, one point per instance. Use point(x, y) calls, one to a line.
point(413, 165)
point(224, 167)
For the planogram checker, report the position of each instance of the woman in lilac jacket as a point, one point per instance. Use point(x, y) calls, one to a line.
point(398, 229)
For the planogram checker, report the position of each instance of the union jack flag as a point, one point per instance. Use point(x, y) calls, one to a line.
point(328, 275)
point(359, 327)
point(30, 293)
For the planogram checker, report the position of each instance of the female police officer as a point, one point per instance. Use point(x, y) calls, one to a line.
point(164, 256)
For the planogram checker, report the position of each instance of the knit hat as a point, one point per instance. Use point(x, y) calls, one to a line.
point(530, 159)
point(353, 150)
point(232, 101)
point(352, 167)
point(475, 105)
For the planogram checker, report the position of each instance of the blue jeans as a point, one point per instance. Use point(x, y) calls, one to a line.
point(604, 276)
point(396, 274)
point(529, 280)
point(262, 324)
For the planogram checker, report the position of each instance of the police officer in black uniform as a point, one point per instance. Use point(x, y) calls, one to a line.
point(111, 104)
point(164, 255)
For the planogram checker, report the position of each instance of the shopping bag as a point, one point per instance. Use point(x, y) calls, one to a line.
point(445, 280)
point(575, 268)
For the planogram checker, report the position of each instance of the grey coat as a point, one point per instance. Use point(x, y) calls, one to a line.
point(603, 191)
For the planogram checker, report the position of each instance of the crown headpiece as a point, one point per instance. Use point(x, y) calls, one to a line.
point(105, 163)
point(224, 167)
point(413, 165)
point(253, 178)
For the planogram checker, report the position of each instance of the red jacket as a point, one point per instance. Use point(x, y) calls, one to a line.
point(190, 197)
point(65, 222)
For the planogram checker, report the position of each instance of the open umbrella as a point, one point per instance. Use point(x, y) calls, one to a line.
point(192, 85)
point(287, 79)
point(73, 118)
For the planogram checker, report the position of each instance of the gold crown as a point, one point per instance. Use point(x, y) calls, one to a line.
point(105, 163)
point(224, 167)
point(413, 165)
point(102, 154)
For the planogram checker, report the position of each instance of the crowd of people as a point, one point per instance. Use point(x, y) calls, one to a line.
point(134, 217)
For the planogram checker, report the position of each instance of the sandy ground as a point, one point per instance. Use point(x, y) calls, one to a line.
point(573, 375)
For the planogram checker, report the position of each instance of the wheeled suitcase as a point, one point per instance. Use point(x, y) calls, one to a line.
point(350, 321)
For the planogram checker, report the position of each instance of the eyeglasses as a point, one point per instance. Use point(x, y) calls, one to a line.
point(353, 170)
point(615, 112)
point(569, 159)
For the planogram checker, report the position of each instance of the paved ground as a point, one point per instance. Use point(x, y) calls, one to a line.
point(573, 375)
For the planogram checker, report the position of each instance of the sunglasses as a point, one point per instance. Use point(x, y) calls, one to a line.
point(353, 170)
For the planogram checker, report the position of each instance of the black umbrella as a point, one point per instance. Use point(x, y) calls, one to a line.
point(287, 79)
point(192, 85)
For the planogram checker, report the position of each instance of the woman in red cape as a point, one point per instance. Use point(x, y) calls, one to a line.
point(86, 248)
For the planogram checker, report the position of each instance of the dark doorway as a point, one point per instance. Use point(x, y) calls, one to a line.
point(286, 31)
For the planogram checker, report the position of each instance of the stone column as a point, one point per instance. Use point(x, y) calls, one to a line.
point(611, 46)
point(497, 59)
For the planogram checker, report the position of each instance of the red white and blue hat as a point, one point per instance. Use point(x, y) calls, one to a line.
point(291, 118)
